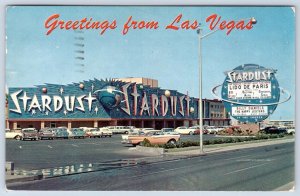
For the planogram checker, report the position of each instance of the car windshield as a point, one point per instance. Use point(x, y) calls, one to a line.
point(77, 130)
point(29, 130)
point(93, 129)
point(168, 130)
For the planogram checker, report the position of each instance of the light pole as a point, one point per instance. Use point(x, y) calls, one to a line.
point(200, 37)
point(200, 91)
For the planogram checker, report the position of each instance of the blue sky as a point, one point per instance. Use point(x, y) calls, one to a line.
point(169, 56)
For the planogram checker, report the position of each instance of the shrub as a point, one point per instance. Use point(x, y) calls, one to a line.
point(145, 143)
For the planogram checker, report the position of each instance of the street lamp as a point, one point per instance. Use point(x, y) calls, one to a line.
point(200, 37)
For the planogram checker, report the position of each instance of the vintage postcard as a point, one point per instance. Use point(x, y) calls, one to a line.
point(150, 98)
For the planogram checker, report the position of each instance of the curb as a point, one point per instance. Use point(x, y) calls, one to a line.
point(19, 178)
point(212, 149)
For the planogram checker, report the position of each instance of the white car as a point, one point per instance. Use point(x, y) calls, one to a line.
point(13, 134)
point(213, 130)
point(105, 132)
point(120, 129)
point(147, 130)
point(290, 130)
point(186, 130)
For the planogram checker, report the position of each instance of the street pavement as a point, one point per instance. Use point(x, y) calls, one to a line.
point(41, 154)
point(263, 168)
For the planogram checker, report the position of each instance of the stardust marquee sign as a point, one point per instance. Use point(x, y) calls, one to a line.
point(250, 92)
point(99, 99)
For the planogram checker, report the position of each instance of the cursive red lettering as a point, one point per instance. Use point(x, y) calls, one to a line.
point(51, 23)
point(176, 20)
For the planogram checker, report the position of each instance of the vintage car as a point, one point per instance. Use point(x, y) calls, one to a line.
point(120, 129)
point(61, 132)
point(30, 134)
point(46, 133)
point(105, 132)
point(77, 133)
point(13, 134)
point(188, 131)
point(213, 130)
point(100, 132)
point(157, 137)
point(131, 132)
point(274, 130)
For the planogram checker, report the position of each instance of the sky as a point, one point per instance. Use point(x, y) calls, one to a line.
point(169, 56)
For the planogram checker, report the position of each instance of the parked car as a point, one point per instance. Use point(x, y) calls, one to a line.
point(46, 133)
point(186, 130)
point(169, 131)
point(147, 130)
point(61, 132)
point(30, 134)
point(105, 132)
point(100, 132)
point(13, 134)
point(181, 129)
point(88, 130)
point(157, 137)
point(131, 132)
point(290, 130)
point(274, 130)
point(77, 133)
point(213, 130)
point(120, 129)
point(91, 132)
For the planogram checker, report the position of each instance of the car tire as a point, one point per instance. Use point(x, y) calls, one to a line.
point(18, 137)
point(172, 141)
point(191, 133)
point(126, 132)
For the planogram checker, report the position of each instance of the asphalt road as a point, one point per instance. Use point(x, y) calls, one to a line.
point(253, 169)
point(41, 154)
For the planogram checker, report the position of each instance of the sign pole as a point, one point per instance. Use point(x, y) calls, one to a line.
point(200, 92)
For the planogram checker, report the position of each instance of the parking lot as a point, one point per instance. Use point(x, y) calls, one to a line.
point(60, 152)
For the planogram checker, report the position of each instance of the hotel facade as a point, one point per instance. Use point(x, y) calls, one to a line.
point(135, 102)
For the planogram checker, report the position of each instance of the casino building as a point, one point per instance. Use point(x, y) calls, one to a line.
point(135, 102)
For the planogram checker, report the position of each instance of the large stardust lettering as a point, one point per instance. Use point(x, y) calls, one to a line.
point(14, 97)
point(25, 99)
point(181, 110)
point(79, 99)
point(135, 95)
point(67, 103)
point(90, 100)
point(35, 104)
point(154, 99)
point(173, 105)
point(187, 98)
point(124, 90)
point(164, 105)
point(58, 103)
point(145, 106)
point(46, 101)
point(230, 79)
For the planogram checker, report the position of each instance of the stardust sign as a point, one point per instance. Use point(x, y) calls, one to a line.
point(250, 92)
point(99, 99)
